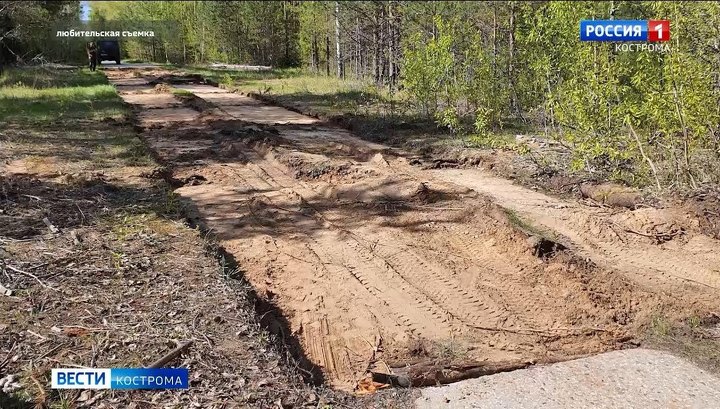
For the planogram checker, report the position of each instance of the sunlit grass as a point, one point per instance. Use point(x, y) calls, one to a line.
point(41, 95)
point(220, 75)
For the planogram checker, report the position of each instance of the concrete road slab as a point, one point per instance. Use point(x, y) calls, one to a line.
point(638, 378)
point(163, 115)
point(152, 100)
point(265, 114)
point(199, 90)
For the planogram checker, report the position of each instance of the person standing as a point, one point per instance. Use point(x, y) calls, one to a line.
point(92, 55)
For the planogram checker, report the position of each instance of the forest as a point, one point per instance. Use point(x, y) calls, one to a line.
point(643, 117)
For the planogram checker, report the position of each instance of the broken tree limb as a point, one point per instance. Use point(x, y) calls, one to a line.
point(437, 373)
point(171, 355)
point(17, 270)
point(547, 332)
point(50, 225)
point(391, 379)
point(642, 153)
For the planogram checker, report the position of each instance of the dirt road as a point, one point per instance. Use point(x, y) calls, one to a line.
point(374, 263)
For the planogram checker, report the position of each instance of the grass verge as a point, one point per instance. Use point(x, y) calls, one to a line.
point(119, 274)
point(696, 339)
point(40, 94)
point(113, 275)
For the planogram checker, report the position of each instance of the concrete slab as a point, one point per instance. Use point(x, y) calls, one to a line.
point(128, 81)
point(152, 100)
point(167, 115)
point(199, 90)
point(225, 99)
point(638, 378)
point(134, 89)
point(265, 114)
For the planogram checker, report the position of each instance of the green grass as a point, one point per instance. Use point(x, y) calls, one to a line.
point(228, 76)
point(40, 95)
point(181, 92)
point(327, 95)
point(526, 227)
point(688, 338)
point(55, 120)
point(307, 83)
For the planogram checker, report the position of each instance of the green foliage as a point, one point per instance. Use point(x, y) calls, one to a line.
point(482, 121)
point(472, 67)
point(189, 32)
point(28, 31)
point(490, 63)
point(428, 70)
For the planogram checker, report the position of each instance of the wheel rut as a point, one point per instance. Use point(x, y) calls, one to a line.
point(370, 260)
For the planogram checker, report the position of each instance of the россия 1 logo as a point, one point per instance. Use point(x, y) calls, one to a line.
point(625, 30)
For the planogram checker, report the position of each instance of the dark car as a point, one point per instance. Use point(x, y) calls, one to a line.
point(108, 50)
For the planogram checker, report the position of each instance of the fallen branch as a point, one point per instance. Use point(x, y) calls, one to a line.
point(656, 236)
point(51, 351)
point(50, 225)
point(541, 332)
point(642, 153)
point(659, 237)
point(17, 270)
point(171, 355)
point(36, 334)
point(432, 373)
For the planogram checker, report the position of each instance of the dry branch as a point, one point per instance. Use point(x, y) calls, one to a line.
point(17, 270)
point(548, 332)
point(647, 158)
point(171, 355)
point(435, 373)
point(50, 225)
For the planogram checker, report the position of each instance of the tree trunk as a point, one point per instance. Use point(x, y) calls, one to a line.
point(495, 45)
point(511, 61)
point(327, 55)
point(315, 58)
point(338, 52)
point(358, 53)
point(377, 41)
point(391, 67)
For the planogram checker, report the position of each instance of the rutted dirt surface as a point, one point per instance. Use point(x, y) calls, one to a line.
point(659, 248)
point(374, 263)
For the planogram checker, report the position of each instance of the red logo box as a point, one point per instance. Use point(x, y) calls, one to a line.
point(658, 30)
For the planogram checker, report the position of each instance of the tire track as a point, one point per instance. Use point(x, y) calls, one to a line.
point(528, 306)
point(438, 296)
point(348, 277)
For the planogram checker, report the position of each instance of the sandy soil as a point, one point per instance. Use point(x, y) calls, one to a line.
point(659, 248)
point(373, 263)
